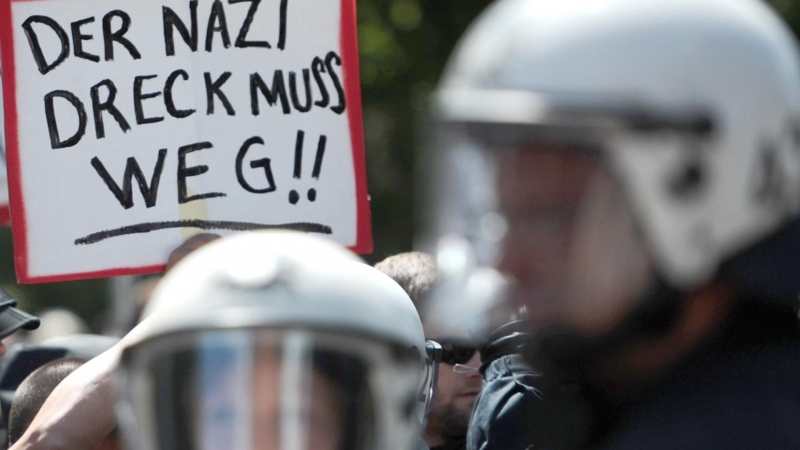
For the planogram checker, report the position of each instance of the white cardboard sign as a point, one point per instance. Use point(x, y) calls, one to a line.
point(132, 125)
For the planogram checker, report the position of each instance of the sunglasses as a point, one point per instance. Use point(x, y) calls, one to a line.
point(456, 350)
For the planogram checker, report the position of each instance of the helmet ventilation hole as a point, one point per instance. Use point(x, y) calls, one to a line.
point(688, 181)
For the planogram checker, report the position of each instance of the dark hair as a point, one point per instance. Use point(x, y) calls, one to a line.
point(32, 393)
point(415, 272)
point(188, 247)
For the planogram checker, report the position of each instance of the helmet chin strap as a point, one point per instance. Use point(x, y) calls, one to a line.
point(655, 313)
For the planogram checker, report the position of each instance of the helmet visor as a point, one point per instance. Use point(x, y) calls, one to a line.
point(570, 241)
point(551, 214)
point(266, 390)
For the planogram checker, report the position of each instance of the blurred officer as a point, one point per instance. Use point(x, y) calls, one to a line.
point(275, 341)
point(265, 340)
point(639, 165)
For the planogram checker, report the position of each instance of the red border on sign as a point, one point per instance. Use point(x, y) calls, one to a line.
point(348, 41)
point(12, 143)
point(352, 85)
point(5, 215)
point(119, 272)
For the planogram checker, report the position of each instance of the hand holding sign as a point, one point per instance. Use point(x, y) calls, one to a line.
point(134, 124)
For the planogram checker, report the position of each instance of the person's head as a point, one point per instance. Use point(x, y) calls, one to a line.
point(189, 246)
point(639, 155)
point(33, 392)
point(280, 340)
point(459, 382)
point(20, 362)
point(415, 272)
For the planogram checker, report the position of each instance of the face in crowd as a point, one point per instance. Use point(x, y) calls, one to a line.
point(459, 384)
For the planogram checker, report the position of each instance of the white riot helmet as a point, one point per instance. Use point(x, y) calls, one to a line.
point(276, 341)
point(691, 109)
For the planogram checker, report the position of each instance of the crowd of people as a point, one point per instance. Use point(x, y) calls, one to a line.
point(628, 172)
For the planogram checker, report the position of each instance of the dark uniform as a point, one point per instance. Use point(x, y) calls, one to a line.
point(500, 420)
point(739, 390)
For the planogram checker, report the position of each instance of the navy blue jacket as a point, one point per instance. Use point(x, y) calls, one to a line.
point(740, 390)
point(500, 418)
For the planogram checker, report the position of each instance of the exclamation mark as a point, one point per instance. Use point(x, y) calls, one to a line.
point(294, 196)
point(312, 193)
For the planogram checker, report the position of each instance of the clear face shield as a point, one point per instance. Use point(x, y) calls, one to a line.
point(570, 241)
point(552, 218)
point(269, 389)
point(539, 198)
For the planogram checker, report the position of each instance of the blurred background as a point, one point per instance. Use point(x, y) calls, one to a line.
point(404, 45)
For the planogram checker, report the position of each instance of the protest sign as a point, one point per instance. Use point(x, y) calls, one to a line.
point(133, 124)
point(5, 214)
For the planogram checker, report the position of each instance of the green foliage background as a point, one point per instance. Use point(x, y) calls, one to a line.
point(404, 45)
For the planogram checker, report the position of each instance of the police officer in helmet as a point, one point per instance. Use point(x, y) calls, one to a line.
point(636, 167)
